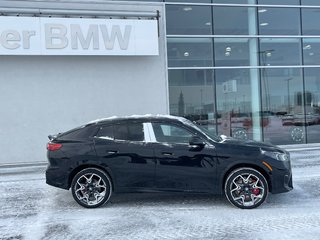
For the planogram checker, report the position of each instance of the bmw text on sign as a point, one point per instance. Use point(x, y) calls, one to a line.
point(73, 36)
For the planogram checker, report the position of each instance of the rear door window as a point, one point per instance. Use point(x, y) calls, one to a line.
point(135, 132)
point(129, 132)
point(106, 132)
point(123, 131)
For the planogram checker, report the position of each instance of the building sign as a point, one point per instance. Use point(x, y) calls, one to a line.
point(230, 86)
point(77, 36)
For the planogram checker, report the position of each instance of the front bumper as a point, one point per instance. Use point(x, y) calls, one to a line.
point(281, 181)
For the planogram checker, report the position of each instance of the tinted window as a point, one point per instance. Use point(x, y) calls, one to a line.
point(310, 2)
point(135, 132)
point(233, 1)
point(277, 2)
point(106, 132)
point(129, 132)
point(171, 133)
point(231, 20)
point(280, 51)
point(310, 21)
point(279, 21)
point(311, 51)
point(282, 91)
point(232, 51)
point(185, 19)
point(192, 1)
point(190, 52)
point(78, 133)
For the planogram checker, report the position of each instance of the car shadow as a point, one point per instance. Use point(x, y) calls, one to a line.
point(166, 199)
point(63, 199)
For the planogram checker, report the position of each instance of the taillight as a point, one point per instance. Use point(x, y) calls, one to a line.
point(54, 146)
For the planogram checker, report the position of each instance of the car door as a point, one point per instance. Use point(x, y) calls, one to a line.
point(179, 165)
point(122, 148)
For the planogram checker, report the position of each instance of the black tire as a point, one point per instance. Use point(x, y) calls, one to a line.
point(246, 188)
point(91, 187)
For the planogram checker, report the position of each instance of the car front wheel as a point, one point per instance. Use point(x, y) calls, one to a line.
point(246, 188)
point(91, 187)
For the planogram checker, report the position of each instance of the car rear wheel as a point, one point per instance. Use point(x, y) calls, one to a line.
point(246, 188)
point(91, 187)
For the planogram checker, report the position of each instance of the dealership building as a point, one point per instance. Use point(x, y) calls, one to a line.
point(243, 68)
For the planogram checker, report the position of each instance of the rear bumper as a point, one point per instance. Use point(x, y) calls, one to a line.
point(57, 178)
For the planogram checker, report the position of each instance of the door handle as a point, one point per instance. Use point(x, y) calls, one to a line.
point(167, 154)
point(112, 152)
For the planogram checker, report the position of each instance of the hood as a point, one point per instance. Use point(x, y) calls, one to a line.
point(250, 143)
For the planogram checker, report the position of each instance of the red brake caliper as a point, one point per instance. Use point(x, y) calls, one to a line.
point(256, 191)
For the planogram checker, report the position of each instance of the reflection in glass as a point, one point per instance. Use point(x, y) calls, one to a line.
point(191, 1)
point(282, 106)
point(310, 2)
point(147, 0)
point(310, 21)
point(234, 102)
point(311, 51)
point(279, 51)
point(232, 1)
point(231, 51)
point(312, 103)
point(277, 2)
point(185, 19)
point(279, 21)
point(190, 52)
point(230, 20)
point(191, 94)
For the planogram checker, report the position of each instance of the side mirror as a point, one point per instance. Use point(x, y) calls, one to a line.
point(196, 141)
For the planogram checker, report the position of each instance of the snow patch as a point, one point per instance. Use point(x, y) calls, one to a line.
point(103, 119)
point(135, 116)
point(106, 138)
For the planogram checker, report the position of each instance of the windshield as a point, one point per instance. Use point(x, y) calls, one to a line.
point(204, 130)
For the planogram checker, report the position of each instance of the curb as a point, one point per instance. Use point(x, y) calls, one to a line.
point(23, 164)
point(301, 147)
point(20, 168)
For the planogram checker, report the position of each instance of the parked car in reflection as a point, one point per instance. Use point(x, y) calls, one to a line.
point(163, 153)
point(288, 120)
point(301, 119)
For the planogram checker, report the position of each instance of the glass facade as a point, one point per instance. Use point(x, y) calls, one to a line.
point(251, 72)
point(246, 68)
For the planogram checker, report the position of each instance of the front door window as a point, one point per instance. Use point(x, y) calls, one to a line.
point(166, 133)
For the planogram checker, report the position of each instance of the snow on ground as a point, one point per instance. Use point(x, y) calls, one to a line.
point(30, 209)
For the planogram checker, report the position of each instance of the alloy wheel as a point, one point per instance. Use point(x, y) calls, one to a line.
point(91, 188)
point(246, 188)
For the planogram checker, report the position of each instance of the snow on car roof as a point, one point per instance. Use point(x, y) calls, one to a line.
point(138, 117)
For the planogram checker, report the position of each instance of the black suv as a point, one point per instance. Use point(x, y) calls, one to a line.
point(163, 153)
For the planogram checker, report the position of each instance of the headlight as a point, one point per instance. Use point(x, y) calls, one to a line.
point(276, 155)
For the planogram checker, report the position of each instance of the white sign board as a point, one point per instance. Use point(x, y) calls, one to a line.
point(230, 86)
point(78, 36)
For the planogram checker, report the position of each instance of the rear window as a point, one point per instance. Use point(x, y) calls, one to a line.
point(75, 134)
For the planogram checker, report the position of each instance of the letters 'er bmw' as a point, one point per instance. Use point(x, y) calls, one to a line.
point(163, 153)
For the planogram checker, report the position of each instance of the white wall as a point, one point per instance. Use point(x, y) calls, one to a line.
point(46, 95)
